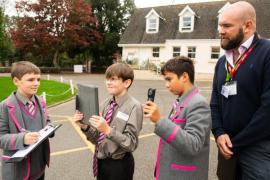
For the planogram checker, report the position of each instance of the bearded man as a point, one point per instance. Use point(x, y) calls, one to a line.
point(240, 102)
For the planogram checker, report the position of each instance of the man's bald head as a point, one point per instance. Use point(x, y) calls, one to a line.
point(237, 23)
point(242, 10)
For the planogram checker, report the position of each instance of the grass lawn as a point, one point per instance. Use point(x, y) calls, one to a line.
point(53, 89)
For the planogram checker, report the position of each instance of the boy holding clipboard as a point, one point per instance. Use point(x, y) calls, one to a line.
point(22, 115)
point(115, 132)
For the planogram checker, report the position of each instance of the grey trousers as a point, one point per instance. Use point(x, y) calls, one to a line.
point(252, 163)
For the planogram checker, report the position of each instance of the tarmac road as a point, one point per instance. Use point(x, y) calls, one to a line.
point(71, 154)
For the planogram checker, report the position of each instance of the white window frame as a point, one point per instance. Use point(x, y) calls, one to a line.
point(176, 52)
point(155, 52)
point(152, 27)
point(191, 52)
point(215, 53)
point(183, 21)
point(130, 56)
point(186, 23)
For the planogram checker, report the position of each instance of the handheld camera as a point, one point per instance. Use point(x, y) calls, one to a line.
point(151, 94)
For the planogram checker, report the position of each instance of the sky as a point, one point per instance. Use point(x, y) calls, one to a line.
point(10, 10)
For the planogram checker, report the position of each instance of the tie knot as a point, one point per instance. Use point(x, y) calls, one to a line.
point(113, 104)
point(30, 103)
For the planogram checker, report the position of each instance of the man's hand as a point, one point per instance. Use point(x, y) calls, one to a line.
point(225, 145)
point(31, 138)
point(151, 111)
point(101, 124)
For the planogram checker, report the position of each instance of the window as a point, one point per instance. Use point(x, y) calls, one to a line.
point(152, 22)
point(186, 19)
point(152, 25)
point(130, 56)
point(215, 52)
point(156, 52)
point(192, 52)
point(176, 51)
point(186, 24)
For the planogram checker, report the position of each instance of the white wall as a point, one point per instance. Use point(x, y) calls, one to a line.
point(203, 61)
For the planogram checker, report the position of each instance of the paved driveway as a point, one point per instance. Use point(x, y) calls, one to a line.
point(71, 154)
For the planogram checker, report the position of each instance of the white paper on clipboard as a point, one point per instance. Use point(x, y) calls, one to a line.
point(44, 134)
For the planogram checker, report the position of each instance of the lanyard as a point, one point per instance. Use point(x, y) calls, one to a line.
point(231, 71)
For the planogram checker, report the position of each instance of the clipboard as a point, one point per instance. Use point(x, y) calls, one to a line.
point(87, 102)
point(44, 134)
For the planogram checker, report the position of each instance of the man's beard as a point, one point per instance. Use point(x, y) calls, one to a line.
point(233, 43)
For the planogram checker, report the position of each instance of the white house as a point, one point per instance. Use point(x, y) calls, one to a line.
point(157, 34)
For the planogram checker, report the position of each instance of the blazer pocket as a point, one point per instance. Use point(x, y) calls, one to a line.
point(181, 122)
point(183, 167)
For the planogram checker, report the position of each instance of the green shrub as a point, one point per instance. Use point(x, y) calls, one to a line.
point(4, 69)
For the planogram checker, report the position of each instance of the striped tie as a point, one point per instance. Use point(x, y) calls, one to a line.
point(101, 137)
point(31, 107)
point(175, 103)
point(174, 108)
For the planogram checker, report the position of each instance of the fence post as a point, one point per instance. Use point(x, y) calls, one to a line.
point(44, 96)
point(61, 79)
point(71, 87)
point(48, 77)
point(158, 69)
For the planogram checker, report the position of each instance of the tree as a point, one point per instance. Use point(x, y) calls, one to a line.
point(6, 48)
point(113, 17)
point(50, 27)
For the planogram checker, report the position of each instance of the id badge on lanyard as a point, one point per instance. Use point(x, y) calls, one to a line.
point(230, 86)
point(229, 89)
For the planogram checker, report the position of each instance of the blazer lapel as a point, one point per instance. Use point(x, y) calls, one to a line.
point(15, 112)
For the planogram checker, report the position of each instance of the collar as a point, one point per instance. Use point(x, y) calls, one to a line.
point(243, 47)
point(121, 100)
point(23, 98)
point(185, 96)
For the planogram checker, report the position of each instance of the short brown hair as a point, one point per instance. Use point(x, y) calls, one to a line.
point(20, 68)
point(120, 70)
point(179, 65)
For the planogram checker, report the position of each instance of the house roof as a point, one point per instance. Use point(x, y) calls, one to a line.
point(205, 27)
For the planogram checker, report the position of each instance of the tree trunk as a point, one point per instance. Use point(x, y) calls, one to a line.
point(55, 59)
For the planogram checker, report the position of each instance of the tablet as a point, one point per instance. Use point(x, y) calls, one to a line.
point(87, 101)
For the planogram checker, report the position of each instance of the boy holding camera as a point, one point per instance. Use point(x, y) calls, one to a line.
point(183, 150)
point(115, 132)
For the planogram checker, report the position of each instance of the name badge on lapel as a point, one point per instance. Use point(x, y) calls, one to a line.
point(229, 89)
point(122, 116)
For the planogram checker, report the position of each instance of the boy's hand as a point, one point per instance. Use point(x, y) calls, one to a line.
point(101, 124)
point(30, 138)
point(78, 116)
point(151, 111)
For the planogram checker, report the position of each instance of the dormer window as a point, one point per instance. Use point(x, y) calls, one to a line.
point(152, 25)
point(186, 20)
point(224, 7)
point(186, 25)
point(221, 10)
point(152, 22)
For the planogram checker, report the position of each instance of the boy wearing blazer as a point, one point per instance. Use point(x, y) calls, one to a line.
point(183, 150)
point(22, 115)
